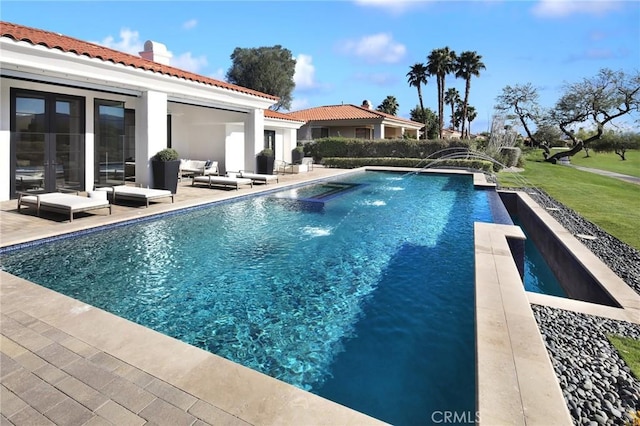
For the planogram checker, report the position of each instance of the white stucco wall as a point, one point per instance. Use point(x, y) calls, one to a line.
point(151, 132)
point(235, 149)
point(200, 133)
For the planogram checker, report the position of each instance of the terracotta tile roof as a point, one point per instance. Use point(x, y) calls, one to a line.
point(68, 44)
point(281, 116)
point(345, 112)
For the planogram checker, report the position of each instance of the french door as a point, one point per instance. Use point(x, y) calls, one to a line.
point(47, 141)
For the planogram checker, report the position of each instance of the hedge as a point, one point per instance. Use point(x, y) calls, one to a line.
point(388, 148)
point(352, 163)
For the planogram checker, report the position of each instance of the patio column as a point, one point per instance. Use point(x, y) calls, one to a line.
point(253, 137)
point(151, 132)
point(89, 145)
point(378, 131)
point(5, 139)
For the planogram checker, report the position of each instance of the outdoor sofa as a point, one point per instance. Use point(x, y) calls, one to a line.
point(59, 202)
point(198, 167)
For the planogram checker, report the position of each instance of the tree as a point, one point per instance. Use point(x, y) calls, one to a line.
point(618, 142)
point(467, 65)
point(425, 115)
point(452, 97)
point(472, 114)
point(523, 101)
point(417, 76)
point(266, 69)
point(389, 105)
point(597, 100)
point(440, 62)
point(548, 134)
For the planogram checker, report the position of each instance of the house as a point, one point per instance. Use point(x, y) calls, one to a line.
point(352, 121)
point(76, 114)
point(451, 134)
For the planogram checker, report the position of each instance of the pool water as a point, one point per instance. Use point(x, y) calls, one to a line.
point(538, 276)
point(367, 300)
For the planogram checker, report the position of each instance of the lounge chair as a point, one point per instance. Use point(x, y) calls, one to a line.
point(231, 180)
point(258, 177)
point(308, 161)
point(124, 192)
point(281, 166)
point(59, 202)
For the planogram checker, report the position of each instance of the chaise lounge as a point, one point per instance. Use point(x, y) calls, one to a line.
point(230, 180)
point(124, 192)
point(258, 177)
point(59, 202)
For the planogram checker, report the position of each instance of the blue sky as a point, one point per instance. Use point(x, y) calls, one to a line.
point(349, 51)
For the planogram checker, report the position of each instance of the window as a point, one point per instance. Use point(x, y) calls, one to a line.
point(319, 132)
point(270, 140)
point(363, 133)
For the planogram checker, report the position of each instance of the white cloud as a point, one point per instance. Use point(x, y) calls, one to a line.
point(562, 8)
point(305, 72)
point(190, 24)
point(376, 48)
point(188, 62)
point(129, 42)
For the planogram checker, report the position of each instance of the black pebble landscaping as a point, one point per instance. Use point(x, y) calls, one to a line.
point(597, 385)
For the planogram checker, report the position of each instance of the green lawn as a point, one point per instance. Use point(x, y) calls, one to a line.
point(610, 203)
point(610, 162)
point(629, 350)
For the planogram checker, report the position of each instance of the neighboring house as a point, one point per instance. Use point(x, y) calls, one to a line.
point(73, 113)
point(451, 134)
point(353, 121)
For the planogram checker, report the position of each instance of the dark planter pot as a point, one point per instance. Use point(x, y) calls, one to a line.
point(265, 165)
point(165, 175)
point(296, 156)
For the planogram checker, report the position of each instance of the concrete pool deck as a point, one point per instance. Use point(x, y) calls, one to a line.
point(65, 362)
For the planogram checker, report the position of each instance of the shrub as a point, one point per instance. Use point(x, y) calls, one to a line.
point(167, 154)
point(267, 152)
point(392, 148)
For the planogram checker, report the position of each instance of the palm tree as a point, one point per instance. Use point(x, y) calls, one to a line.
point(440, 62)
point(467, 65)
point(452, 97)
point(471, 115)
point(417, 76)
point(389, 105)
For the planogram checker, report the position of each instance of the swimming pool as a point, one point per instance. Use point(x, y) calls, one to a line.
point(366, 300)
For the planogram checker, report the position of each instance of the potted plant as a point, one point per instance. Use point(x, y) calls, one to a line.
point(297, 154)
point(165, 166)
point(265, 161)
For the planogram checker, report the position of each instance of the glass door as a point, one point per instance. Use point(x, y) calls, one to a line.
point(110, 153)
point(29, 144)
point(47, 142)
